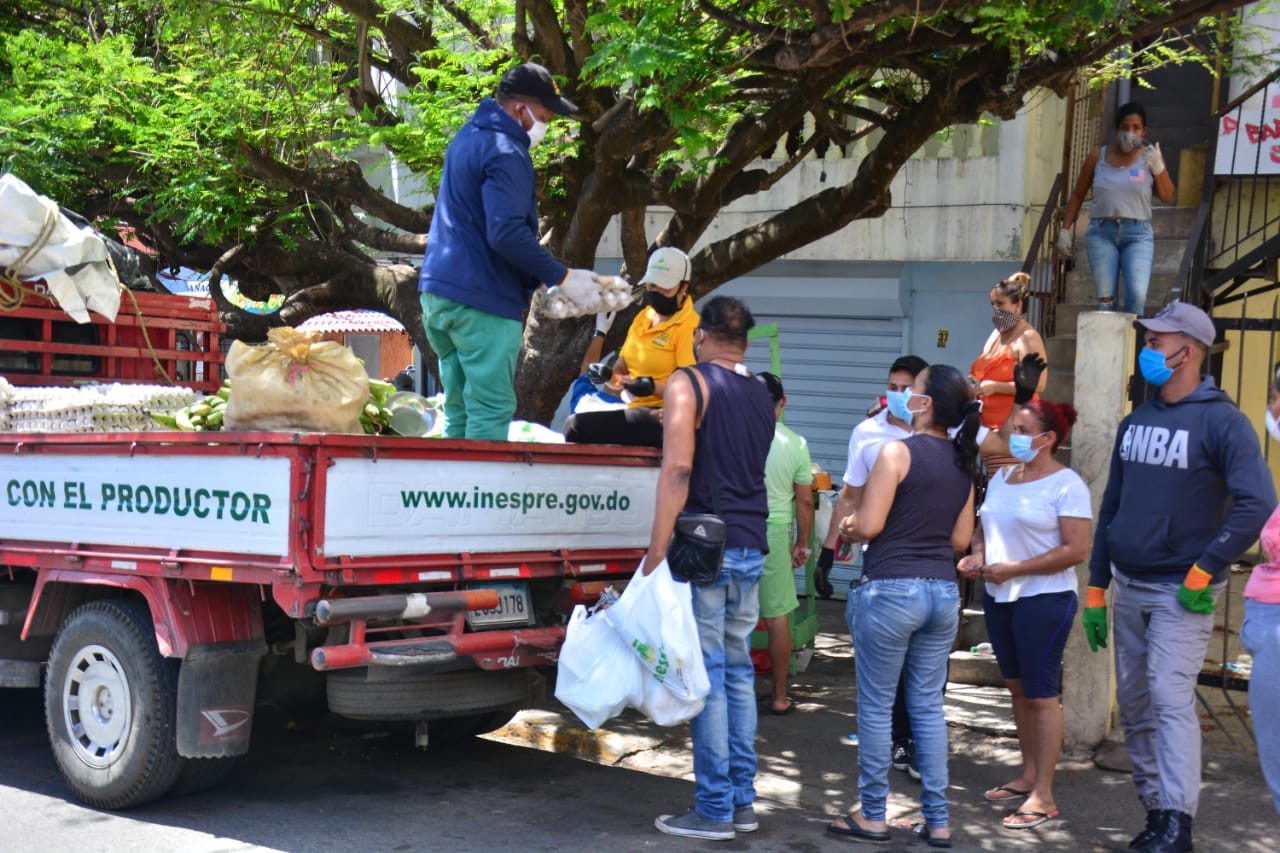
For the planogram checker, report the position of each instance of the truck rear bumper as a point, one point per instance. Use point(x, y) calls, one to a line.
point(490, 649)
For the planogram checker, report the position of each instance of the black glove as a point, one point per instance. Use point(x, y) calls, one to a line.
point(821, 582)
point(1026, 377)
point(599, 372)
point(641, 386)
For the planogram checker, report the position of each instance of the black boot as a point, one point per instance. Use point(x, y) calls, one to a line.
point(1172, 834)
point(1153, 823)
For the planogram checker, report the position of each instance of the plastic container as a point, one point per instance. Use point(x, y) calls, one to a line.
point(410, 414)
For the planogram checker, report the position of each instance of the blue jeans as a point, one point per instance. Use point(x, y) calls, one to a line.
point(724, 734)
point(903, 625)
point(1260, 634)
point(1120, 247)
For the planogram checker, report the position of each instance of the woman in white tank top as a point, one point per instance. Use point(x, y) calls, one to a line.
point(1119, 239)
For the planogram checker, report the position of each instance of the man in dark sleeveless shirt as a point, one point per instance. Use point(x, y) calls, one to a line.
point(731, 444)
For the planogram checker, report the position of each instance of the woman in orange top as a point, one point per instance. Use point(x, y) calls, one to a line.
point(1013, 337)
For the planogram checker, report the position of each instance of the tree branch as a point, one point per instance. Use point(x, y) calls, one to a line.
point(343, 182)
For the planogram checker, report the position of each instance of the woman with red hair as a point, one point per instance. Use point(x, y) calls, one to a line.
point(1035, 530)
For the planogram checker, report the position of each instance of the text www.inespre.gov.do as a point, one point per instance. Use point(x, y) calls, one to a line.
point(568, 503)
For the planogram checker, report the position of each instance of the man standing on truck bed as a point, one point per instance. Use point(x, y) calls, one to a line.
point(732, 430)
point(483, 258)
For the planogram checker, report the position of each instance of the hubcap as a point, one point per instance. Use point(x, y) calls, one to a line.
point(95, 705)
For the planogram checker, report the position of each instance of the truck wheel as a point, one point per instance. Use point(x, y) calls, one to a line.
point(110, 703)
point(471, 725)
point(422, 696)
point(201, 774)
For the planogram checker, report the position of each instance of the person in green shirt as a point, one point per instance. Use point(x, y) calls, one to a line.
point(788, 478)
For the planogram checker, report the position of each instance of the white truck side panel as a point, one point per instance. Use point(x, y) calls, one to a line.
point(223, 503)
point(384, 507)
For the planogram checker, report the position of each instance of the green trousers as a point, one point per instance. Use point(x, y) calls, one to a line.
point(477, 352)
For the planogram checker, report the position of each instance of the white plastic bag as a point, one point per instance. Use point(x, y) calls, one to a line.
point(664, 707)
point(597, 675)
point(654, 617)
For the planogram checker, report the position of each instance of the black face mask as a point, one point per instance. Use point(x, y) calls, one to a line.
point(663, 304)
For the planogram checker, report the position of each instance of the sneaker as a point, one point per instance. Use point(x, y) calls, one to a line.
point(693, 825)
point(744, 819)
point(904, 758)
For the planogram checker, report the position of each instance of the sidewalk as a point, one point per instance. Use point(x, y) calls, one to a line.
point(808, 770)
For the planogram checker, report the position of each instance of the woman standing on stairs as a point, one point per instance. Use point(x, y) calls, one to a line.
point(1119, 239)
point(1009, 343)
point(1035, 529)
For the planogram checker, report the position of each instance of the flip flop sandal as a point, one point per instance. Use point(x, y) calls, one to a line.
point(791, 706)
point(1013, 794)
point(852, 830)
point(921, 830)
point(1040, 817)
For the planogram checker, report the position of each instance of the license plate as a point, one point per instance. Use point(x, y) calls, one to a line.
point(514, 606)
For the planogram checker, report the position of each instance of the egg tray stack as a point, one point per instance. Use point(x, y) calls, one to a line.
point(6, 399)
point(93, 408)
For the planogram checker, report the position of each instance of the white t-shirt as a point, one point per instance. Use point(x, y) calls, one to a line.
point(865, 443)
point(1020, 521)
point(871, 435)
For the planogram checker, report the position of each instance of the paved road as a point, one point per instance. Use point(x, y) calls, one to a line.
point(325, 785)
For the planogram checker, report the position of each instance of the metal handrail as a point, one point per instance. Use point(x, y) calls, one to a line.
point(1044, 264)
point(1235, 243)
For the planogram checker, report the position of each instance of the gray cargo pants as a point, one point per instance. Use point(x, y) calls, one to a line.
point(1159, 651)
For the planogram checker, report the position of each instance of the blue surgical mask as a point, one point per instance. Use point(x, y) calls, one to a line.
point(1020, 447)
point(897, 403)
point(1155, 366)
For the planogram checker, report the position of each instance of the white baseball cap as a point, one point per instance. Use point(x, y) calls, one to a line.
point(668, 267)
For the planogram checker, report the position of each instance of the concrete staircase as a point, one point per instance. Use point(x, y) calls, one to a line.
point(1172, 226)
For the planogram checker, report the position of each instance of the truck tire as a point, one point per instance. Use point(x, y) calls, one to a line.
point(468, 726)
point(424, 696)
point(201, 774)
point(110, 706)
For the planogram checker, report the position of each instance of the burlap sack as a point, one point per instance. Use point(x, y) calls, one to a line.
point(295, 382)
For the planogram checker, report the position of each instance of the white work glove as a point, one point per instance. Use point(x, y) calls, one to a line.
point(583, 292)
point(1155, 160)
point(580, 286)
point(604, 322)
point(1065, 238)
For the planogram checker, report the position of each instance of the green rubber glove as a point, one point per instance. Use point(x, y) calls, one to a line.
point(1095, 617)
point(1194, 594)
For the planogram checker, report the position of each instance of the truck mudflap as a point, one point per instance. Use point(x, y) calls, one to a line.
point(216, 688)
point(491, 649)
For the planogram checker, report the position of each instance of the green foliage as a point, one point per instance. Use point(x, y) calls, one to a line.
point(155, 107)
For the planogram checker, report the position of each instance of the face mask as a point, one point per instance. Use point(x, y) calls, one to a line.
point(661, 303)
point(1020, 447)
point(1273, 426)
point(1128, 141)
point(539, 130)
point(897, 403)
point(1004, 320)
point(1155, 366)
point(914, 413)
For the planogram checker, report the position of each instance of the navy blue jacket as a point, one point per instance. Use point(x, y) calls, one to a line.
point(483, 248)
point(1188, 486)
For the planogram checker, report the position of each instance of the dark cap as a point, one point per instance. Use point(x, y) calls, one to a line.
point(1182, 317)
point(531, 80)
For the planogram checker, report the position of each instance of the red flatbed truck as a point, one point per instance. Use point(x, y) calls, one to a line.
point(159, 584)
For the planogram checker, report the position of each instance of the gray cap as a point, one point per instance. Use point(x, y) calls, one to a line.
point(1185, 318)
